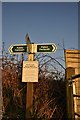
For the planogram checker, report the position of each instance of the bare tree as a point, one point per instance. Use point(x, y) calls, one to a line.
point(49, 92)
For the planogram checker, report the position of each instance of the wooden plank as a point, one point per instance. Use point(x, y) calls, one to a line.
point(69, 89)
point(72, 58)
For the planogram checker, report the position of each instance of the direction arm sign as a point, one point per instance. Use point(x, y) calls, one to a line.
point(45, 48)
point(18, 49)
point(37, 48)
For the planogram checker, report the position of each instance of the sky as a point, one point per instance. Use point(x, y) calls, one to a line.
point(45, 22)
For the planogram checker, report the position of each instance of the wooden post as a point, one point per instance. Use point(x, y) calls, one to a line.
point(29, 94)
point(69, 91)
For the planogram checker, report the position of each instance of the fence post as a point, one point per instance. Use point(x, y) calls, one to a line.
point(69, 91)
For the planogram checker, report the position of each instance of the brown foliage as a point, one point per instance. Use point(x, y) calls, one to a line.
point(49, 92)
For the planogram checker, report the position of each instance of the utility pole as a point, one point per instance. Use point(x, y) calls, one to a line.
point(2, 49)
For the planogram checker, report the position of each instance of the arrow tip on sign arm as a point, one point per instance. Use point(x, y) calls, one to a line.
point(54, 48)
point(10, 49)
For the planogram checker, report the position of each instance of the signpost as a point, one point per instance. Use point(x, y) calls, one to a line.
point(29, 95)
point(30, 67)
point(18, 49)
